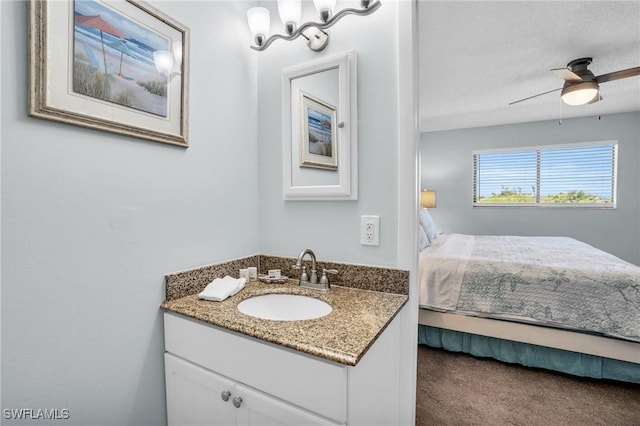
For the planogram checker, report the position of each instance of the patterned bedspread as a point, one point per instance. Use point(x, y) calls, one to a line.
point(557, 281)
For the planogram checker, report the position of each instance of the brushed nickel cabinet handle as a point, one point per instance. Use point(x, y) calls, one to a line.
point(237, 402)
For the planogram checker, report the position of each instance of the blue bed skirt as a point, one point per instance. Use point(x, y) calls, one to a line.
point(529, 355)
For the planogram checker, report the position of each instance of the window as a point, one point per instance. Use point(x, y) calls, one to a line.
point(576, 175)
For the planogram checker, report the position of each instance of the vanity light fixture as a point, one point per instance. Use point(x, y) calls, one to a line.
point(167, 63)
point(290, 10)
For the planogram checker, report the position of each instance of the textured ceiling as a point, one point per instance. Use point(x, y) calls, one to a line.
point(477, 56)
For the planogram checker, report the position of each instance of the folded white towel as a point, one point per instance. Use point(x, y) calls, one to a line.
point(221, 288)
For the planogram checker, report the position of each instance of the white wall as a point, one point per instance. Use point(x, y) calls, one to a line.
point(447, 168)
point(331, 228)
point(91, 222)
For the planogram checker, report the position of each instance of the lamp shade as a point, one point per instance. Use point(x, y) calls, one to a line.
point(290, 11)
point(259, 21)
point(325, 8)
point(325, 4)
point(428, 198)
point(580, 93)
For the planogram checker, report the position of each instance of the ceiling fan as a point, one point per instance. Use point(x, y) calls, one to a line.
point(580, 85)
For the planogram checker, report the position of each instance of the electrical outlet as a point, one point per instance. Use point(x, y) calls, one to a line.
point(370, 230)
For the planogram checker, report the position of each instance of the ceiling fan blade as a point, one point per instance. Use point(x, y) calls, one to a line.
point(617, 75)
point(566, 74)
point(534, 96)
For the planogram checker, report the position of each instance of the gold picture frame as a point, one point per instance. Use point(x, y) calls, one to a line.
point(99, 64)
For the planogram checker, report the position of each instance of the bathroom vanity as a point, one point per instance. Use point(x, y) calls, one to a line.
point(225, 367)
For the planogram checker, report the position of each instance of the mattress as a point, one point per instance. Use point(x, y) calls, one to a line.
point(554, 281)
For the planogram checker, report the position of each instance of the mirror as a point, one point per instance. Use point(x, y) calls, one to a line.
point(319, 129)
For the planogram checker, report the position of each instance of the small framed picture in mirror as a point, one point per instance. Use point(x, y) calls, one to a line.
point(318, 136)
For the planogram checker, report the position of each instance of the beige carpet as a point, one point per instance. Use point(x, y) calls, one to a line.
point(459, 389)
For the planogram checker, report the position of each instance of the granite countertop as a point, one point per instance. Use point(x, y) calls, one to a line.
point(343, 336)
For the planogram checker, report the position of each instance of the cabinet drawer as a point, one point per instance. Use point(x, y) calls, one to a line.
point(309, 382)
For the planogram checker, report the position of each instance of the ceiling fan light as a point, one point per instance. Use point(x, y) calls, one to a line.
point(580, 94)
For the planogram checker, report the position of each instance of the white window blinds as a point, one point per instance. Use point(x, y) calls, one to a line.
point(560, 175)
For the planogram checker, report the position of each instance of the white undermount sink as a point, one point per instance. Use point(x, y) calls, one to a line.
point(284, 307)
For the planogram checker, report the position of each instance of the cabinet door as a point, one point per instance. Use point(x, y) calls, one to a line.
point(259, 409)
point(194, 395)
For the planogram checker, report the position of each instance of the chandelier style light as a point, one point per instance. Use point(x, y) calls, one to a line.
point(290, 12)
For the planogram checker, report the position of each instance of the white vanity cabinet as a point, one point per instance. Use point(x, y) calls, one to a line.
point(271, 384)
point(197, 396)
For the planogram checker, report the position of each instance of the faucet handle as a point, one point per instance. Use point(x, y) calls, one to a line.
point(303, 276)
point(324, 279)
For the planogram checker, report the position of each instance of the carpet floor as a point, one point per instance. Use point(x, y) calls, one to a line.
point(459, 389)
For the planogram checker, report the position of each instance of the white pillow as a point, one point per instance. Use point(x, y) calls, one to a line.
point(423, 240)
point(428, 225)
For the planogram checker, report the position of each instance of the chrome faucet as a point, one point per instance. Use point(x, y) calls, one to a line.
point(314, 272)
point(312, 281)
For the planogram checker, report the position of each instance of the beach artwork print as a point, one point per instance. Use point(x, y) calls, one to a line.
point(113, 59)
point(318, 144)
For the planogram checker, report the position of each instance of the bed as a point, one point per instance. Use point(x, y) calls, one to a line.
point(548, 302)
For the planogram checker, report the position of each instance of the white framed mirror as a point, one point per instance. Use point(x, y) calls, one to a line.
point(320, 129)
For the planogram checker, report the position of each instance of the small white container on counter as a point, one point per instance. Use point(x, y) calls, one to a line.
point(253, 273)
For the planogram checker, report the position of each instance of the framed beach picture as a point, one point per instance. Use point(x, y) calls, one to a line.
point(318, 135)
point(114, 65)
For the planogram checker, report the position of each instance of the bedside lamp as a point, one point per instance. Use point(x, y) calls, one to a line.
point(428, 198)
